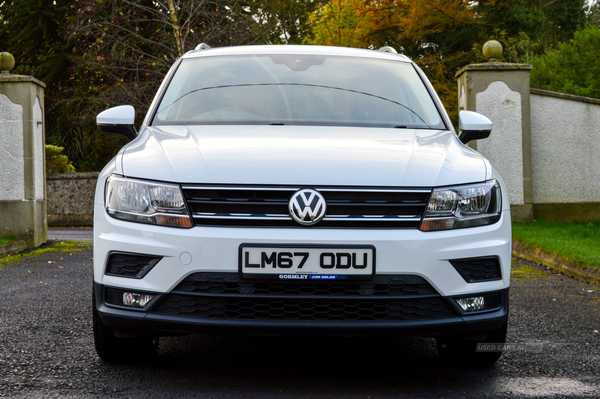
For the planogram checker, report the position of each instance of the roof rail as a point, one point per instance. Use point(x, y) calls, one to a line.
point(388, 49)
point(202, 46)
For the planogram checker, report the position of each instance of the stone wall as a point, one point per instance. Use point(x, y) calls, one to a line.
point(71, 199)
point(565, 143)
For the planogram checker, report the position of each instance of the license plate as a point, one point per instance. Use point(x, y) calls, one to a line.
point(306, 262)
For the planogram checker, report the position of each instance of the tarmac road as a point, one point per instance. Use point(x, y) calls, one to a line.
point(46, 349)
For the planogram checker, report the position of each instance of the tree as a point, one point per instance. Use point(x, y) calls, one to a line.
point(544, 22)
point(35, 32)
point(339, 23)
point(283, 22)
point(441, 36)
point(96, 54)
point(572, 67)
point(437, 34)
point(131, 44)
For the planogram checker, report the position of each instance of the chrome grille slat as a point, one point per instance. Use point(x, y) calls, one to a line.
point(267, 206)
point(374, 218)
point(240, 216)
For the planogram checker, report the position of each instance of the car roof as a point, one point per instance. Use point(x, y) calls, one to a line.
point(295, 50)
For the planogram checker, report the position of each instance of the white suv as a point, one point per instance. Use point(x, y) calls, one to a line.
point(299, 190)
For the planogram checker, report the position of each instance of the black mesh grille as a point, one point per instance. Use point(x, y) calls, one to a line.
point(227, 296)
point(268, 206)
point(130, 265)
point(478, 269)
point(232, 283)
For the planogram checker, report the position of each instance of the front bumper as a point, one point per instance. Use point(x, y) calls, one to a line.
point(186, 252)
point(153, 322)
point(216, 249)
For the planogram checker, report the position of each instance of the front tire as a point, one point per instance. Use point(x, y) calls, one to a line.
point(464, 352)
point(115, 349)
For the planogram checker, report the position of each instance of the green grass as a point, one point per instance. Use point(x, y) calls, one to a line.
point(522, 271)
point(65, 246)
point(578, 242)
point(8, 238)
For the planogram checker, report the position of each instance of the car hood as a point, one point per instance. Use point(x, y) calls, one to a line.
point(302, 155)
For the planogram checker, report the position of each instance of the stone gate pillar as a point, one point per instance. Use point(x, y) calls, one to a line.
point(22, 155)
point(500, 91)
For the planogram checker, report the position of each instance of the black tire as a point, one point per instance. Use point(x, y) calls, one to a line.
point(115, 349)
point(464, 352)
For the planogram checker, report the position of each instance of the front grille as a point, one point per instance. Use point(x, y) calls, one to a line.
point(268, 206)
point(475, 270)
point(130, 265)
point(227, 296)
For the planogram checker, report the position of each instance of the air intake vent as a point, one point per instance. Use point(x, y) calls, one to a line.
point(475, 270)
point(129, 265)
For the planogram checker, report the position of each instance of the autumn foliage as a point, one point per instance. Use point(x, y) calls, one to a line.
point(94, 54)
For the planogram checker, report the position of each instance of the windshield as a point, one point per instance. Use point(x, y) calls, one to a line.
point(297, 90)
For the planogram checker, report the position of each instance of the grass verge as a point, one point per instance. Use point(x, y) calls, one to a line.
point(578, 242)
point(523, 271)
point(64, 246)
point(8, 239)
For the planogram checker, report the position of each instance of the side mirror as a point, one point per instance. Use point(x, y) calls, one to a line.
point(473, 126)
point(118, 120)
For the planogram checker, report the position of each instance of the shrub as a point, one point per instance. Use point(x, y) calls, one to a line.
point(56, 162)
point(572, 67)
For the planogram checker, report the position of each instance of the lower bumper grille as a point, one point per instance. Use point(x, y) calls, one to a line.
point(387, 298)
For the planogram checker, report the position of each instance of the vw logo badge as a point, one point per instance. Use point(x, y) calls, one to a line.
point(307, 206)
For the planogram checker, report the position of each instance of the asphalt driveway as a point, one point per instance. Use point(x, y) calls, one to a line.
point(46, 349)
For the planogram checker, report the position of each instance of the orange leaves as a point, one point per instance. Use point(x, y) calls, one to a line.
point(433, 17)
point(340, 23)
point(419, 20)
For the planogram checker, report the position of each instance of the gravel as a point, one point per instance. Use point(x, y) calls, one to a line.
point(46, 349)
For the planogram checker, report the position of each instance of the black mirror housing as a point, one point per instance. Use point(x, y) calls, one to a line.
point(468, 135)
point(124, 130)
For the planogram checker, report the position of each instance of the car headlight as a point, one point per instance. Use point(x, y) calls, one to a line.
point(463, 206)
point(146, 202)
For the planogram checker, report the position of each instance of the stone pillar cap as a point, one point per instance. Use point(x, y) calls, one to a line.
point(7, 62)
point(492, 50)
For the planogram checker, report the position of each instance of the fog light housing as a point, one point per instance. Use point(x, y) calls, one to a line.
point(136, 300)
point(129, 299)
point(471, 304)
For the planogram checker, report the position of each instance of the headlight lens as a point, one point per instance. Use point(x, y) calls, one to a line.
point(463, 206)
point(146, 202)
